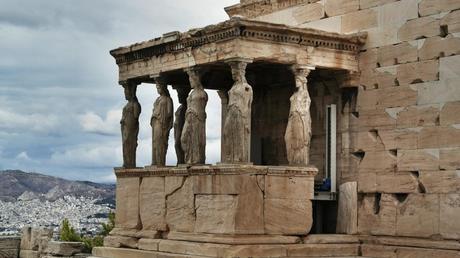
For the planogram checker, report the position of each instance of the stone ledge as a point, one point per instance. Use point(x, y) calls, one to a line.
point(334, 245)
point(109, 252)
point(233, 239)
point(221, 169)
point(64, 248)
point(380, 247)
point(411, 242)
point(331, 239)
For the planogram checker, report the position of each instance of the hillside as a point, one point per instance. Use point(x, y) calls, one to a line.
point(16, 184)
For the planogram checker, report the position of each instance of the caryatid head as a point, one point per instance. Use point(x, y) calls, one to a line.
point(300, 75)
point(162, 89)
point(194, 78)
point(182, 94)
point(238, 71)
point(130, 91)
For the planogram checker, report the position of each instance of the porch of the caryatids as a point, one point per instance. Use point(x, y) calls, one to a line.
point(298, 130)
point(193, 138)
point(237, 127)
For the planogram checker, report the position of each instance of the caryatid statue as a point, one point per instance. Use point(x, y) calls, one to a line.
point(298, 131)
point(179, 121)
point(130, 125)
point(161, 122)
point(193, 139)
point(237, 126)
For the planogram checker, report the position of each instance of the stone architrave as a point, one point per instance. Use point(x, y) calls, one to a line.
point(130, 125)
point(237, 127)
point(298, 131)
point(193, 139)
point(161, 122)
point(179, 122)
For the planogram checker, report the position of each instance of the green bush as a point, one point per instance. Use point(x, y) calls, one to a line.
point(90, 242)
point(68, 234)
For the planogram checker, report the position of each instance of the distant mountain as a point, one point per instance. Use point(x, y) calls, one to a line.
point(16, 184)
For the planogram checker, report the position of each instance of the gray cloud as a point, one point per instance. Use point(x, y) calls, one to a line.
point(59, 97)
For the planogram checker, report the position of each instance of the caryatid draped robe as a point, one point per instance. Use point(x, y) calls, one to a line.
point(298, 130)
point(130, 127)
point(161, 122)
point(193, 138)
point(237, 127)
point(179, 121)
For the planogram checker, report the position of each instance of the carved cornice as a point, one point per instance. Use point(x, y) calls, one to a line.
point(237, 28)
point(251, 9)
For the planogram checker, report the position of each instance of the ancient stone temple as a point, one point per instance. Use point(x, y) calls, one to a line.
point(340, 134)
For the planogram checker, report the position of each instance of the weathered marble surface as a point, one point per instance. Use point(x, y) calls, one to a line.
point(127, 199)
point(231, 200)
point(347, 215)
point(152, 203)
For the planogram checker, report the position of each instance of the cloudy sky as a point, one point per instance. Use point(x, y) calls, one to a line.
point(60, 103)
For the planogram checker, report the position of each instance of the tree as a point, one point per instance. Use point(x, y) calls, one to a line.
point(107, 227)
point(67, 232)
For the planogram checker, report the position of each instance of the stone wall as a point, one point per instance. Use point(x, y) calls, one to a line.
point(9, 247)
point(36, 242)
point(404, 139)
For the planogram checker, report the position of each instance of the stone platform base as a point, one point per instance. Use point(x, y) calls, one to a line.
point(223, 199)
point(310, 246)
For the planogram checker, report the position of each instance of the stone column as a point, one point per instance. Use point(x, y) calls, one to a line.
point(223, 94)
point(237, 126)
point(298, 130)
point(193, 138)
point(130, 124)
point(182, 93)
point(349, 84)
point(161, 122)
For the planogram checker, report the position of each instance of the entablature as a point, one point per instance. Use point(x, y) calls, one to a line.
point(239, 38)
